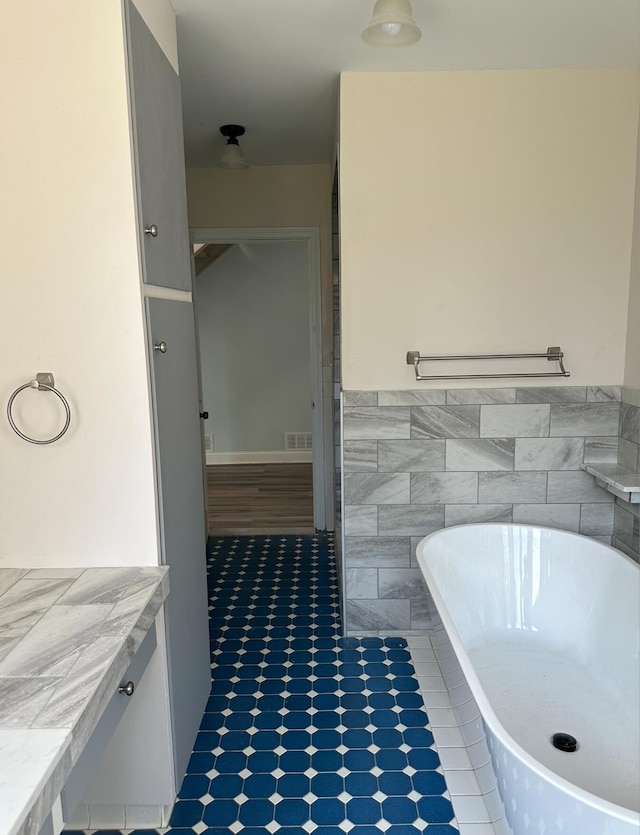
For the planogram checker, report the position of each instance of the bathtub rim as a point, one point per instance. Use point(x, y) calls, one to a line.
point(622, 813)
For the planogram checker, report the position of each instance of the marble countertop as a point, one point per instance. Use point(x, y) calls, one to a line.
point(67, 635)
point(618, 480)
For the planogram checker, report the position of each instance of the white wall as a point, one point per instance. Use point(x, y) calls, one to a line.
point(486, 212)
point(253, 324)
point(632, 366)
point(269, 196)
point(70, 294)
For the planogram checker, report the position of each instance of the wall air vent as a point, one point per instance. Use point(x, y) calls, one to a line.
point(296, 441)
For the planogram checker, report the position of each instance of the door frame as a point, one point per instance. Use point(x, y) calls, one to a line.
point(311, 236)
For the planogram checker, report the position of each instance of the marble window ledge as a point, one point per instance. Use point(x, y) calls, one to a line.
point(622, 482)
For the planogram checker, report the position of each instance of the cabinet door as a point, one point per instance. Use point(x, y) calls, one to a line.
point(159, 150)
point(179, 472)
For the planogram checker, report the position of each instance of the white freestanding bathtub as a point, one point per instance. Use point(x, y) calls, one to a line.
point(542, 635)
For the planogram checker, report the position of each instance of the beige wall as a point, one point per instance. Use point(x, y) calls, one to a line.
point(70, 293)
point(486, 212)
point(632, 366)
point(268, 196)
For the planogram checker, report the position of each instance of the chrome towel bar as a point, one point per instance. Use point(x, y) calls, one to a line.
point(553, 354)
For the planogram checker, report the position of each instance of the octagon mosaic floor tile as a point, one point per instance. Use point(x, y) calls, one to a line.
point(304, 731)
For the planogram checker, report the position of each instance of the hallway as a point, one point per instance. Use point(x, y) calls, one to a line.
point(305, 731)
point(260, 499)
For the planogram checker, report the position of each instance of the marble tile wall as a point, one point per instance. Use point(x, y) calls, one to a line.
point(337, 378)
point(419, 460)
point(626, 529)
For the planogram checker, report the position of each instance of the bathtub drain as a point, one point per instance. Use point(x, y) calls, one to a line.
point(564, 742)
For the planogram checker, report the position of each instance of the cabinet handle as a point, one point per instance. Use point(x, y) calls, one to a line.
point(160, 346)
point(151, 230)
point(127, 689)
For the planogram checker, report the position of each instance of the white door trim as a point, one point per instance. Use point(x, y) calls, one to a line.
point(311, 235)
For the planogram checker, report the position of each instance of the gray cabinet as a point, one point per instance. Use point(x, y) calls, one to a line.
point(174, 385)
point(159, 151)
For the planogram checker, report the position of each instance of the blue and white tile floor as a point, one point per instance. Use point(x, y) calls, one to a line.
point(305, 731)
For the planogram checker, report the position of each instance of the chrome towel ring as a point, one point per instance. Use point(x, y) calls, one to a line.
point(43, 382)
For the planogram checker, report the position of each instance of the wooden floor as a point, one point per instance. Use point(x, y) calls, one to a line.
point(260, 498)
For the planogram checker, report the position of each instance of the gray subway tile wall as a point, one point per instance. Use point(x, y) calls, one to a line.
point(469, 514)
point(472, 397)
point(574, 487)
point(628, 454)
point(505, 488)
point(525, 421)
point(379, 552)
point(629, 422)
point(482, 454)
point(555, 394)
point(361, 456)
point(444, 488)
point(626, 516)
point(601, 450)
point(362, 521)
point(419, 460)
point(564, 516)
point(376, 488)
point(375, 422)
point(551, 453)
point(333, 434)
point(600, 394)
point(445, 422)
point(410, 519)
point(410, 456)
point(384, 616)
point(596, 519)
point(428, 397)
point(584, 419)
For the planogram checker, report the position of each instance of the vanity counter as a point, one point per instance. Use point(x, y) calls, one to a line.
point(67, 636)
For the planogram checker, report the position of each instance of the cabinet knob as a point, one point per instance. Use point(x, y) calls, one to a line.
point(204, 415)
point(151, 230)
point(127, 689)
point(160, 346)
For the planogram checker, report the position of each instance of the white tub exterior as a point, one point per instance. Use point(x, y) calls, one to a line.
point(509, 597)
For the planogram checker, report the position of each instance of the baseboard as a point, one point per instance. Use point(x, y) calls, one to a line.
point(270, 456)
point(120, 817)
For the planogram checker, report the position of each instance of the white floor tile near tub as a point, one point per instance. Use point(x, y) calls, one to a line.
point(454, 759)
point(427, 668)
point(477, 829)
point(462, 782)
point(422, 654)
point(419, 642)
point(447, 737)
point(436, 698)
point(475, 801)
point(442, 717)
point(471, 808)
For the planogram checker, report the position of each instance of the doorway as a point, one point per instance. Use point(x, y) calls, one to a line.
point(257, 301)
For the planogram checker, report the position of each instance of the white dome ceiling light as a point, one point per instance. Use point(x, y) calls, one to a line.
point(392, 24)
point(232, 157)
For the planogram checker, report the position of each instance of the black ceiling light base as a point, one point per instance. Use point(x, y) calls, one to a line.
point(231, 133)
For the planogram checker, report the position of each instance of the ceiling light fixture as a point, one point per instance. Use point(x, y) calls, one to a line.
point(392, 24)
point(232, 157)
